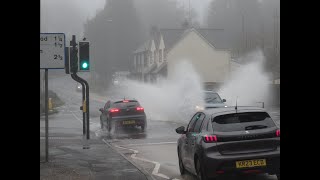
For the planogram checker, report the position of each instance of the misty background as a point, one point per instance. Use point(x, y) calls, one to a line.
point(115, 28)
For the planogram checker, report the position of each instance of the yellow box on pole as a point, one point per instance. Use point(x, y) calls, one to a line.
point(84, 106)
point(50, 104)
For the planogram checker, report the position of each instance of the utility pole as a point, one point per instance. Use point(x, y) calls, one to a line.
point(189, 14)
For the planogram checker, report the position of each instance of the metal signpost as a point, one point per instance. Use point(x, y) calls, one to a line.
point(52, 56)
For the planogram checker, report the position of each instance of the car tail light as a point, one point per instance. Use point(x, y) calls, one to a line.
point(278, 133)
point(210, 138)
point(140, 108)
point(114, 110)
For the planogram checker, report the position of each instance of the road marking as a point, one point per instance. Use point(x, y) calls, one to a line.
point(76, 117)
point(160, 143)
point(133, 156)
point(66, 138)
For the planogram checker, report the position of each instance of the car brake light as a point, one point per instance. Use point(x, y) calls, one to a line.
point(125, 101)
point(278, 133)
point(140, 108)
point(114, 110)
point(210, 138)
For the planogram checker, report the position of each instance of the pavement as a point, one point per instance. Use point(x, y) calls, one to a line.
point(69, 161)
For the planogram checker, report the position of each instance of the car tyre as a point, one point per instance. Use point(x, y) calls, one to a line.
point(109, 125)
point(144, 127)
point(200, 172)
point(181, 166)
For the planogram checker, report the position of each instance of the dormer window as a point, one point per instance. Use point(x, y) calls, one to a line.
point(160, 55)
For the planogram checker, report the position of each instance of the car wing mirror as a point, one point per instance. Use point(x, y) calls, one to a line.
point(180, 130)
point(224, 100)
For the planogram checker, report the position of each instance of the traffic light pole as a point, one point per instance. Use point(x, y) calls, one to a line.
point(74, 77)
point(86, 108)
point(85, 88)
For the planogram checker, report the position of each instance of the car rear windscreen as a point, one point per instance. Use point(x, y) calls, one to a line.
point(122, 104)
point(211, 98)
point(242, 121)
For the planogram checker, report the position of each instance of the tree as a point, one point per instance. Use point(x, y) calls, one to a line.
point(114, 34)
point(162, 13)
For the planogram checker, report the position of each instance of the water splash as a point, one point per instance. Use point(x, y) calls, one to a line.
point(171, 99)
point(250, 83)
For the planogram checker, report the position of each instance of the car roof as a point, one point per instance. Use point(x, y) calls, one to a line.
point(231, 110)
point(207, 91)
point(118, 100)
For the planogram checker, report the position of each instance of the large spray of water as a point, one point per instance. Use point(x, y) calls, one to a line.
point(172, 99)
point(249, 84)
point(175, 99)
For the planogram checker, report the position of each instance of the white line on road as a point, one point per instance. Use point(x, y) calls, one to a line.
point(133, 156)
point(76, 117)
point(144, 144)
point(64, 138)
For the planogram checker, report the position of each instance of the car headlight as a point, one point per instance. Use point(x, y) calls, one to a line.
point(199, 108)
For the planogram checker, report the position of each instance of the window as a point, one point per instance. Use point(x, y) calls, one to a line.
point(151, 57)
point(192, 122)
point(155, 56)
point(160, 55)
point(145, 60)
point(212, 97)
point(199, 123)
point(242, 121)
point(107, 106)
point(130, 104)
point(204, 126)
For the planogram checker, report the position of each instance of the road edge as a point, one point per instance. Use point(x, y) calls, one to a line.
point(144, 172)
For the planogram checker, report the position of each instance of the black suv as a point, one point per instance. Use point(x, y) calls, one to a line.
point(229, 141)
point(122, 113)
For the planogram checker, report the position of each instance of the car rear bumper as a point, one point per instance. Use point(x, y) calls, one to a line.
point(134, 120)
point(216, 164)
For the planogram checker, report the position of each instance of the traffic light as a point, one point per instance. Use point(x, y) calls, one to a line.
point(67, 60)
point(73, 59)
point(84, 58)
point(73, 51)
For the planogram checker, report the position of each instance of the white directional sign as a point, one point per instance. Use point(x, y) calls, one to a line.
point(52, 50)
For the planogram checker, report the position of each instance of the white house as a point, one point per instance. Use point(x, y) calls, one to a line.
point(205, 49)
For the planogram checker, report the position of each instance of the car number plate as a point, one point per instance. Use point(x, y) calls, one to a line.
point(251, 163)
point(129, 122)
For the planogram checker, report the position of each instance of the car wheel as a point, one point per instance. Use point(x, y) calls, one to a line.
point(109, 125)
point(278, 176)
point(101, 123)
point(144, 127)
point(199, 170)
point(181, 167)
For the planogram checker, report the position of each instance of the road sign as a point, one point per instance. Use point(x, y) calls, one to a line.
point(52, 50)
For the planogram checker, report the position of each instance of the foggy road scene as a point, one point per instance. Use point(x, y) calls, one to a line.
point(160, 89)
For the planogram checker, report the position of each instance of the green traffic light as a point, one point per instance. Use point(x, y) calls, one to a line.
point(85, 65)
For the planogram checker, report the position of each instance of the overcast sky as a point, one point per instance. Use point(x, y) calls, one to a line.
point(73, 13)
